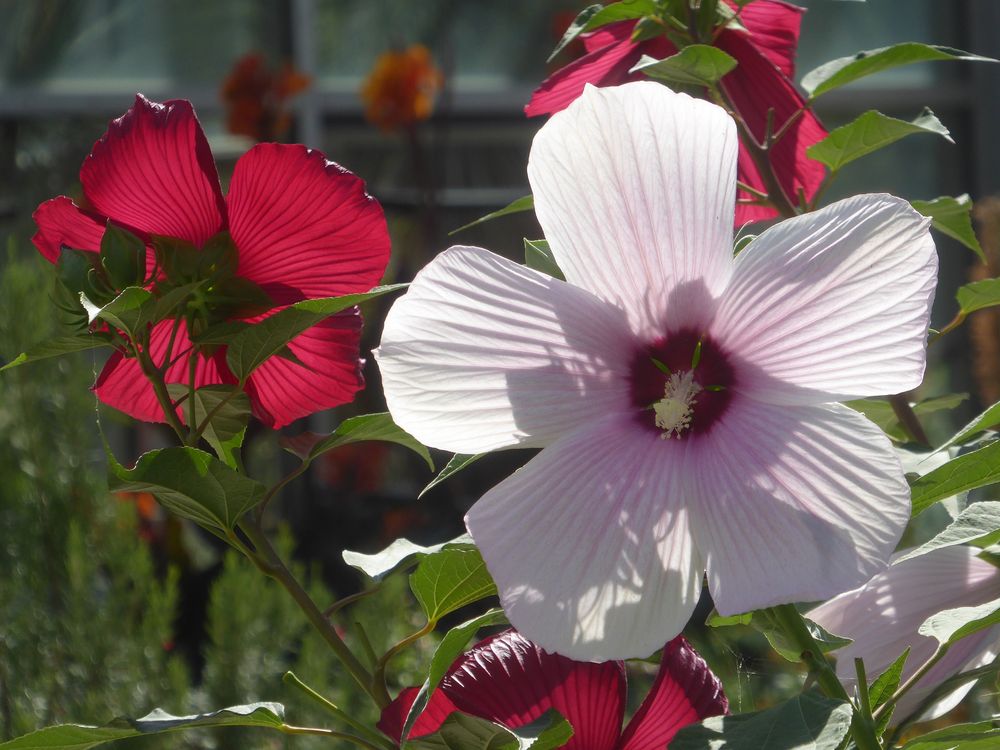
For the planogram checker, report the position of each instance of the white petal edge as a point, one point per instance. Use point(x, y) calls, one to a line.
point(832, 305)
point(482, 353)
point(589, 543)
point(635, 188)
point(882, 618)
point(794, 504)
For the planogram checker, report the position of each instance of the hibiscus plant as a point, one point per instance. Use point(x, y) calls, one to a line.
point(717, 416)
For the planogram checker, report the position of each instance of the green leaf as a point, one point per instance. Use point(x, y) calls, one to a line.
point(230, 410)
point(881, 412)
point(807, 722)
point(547, 732)
point(527, 203)
point(82, 737)
point(966, 472)
point(449, 579)
point(952, 625)
point(124, 312)
point(123, 256)
point(951, 216)
point(980, 522)
point(251, 346)
point(718, 621)
point(309, 445)
point(844, 70)
point(57, 347)
point(192, 484)
point(455, 464)
point(594, 16)
point(538, 255)
point(984, 735)
point(696, 64)
point(870, 132)
point(884, 686)
point(978, 295)
point(826, 640)
point(986, 420)
point(402, 554)
point(451, 646)
point(464, 732)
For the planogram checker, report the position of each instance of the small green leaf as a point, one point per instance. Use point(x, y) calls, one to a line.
point(455, 464)
point(449, 579)
point(594, 16)
point(951, 216)
point(252, 346)
point(984, 735)
point(885, 685)
point(881, 412)
point(402, 554)
point(57, 347)
point(230, 410)
point(807, 722)
point(718, 621)
point(988, 419)
point(844, 70)
point(980, 523)
point(124, 312)
point(527, 203)
point(123, 256)
point(825, 640)
point(453, 644)
point(464, 732)
point(696, 64)
point(966, 472)
point(978, 295)
point(547, 732)
point(309, 445)
point(82, 737)
point(192, 484)
point(870, 132)
point(538, 255)
point(952, 625)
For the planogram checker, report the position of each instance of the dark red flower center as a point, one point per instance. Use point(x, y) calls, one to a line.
point(681, 384)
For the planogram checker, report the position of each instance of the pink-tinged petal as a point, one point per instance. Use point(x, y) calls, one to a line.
point(794, 504)
point(756, 86)
point(629, 213)
point(153, 171)
point(685, 691)
point(393, 718)
point(589, 543)
point(61, 222)
point(833, 304)
point(482, 353)
point(606, 65)
point(882, 618)
point(303, 222)
point(122, 385)
point(509, 680)
point(620, 31)
point(329, 375)
point(774, 30)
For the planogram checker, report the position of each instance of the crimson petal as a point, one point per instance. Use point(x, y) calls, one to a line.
point(305, 223)
point(61, 222)
point(685, 691)
point(329, 375)
point(755, 86)
point(122, 385)
point(509, 680)
point(153, 170)
point(393, 718)
point(774, 29)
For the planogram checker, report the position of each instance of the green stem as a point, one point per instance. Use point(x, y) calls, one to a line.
point(908, 419)
point(291, 679)
point(192, 438)
point(268, 561)
point(155, 377)
point(213, 411)
point(886, 707)
point(791, 624)
point(381, 664)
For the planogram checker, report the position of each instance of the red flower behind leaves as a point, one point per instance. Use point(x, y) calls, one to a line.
point(762, 80)
point(303, 228)
point(509, 680)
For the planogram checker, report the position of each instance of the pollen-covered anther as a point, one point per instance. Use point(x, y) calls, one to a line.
point(675, 410)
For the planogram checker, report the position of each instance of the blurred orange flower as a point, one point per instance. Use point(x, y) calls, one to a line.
point(255, 97)
point(401, 87)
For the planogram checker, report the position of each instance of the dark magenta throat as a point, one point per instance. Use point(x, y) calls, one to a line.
point(674, 354)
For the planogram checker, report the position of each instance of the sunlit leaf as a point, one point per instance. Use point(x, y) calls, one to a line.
point(986, 420)
point(229, 408)
point(984, 735)
point(952, 625)
point(951, 216)
point(538, 255)
point(527, 203)
point(966, 472)
point(449, 579)
point(980, 523)
point(402, 554)
point(978, 295)
point(696, 64)
point(870, 132)
point(57, 347)
point(309, 445)
point(455, 464)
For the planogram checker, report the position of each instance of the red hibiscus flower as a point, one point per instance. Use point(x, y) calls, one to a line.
point(303, 228)
point(761, 81)
point(509, 680)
